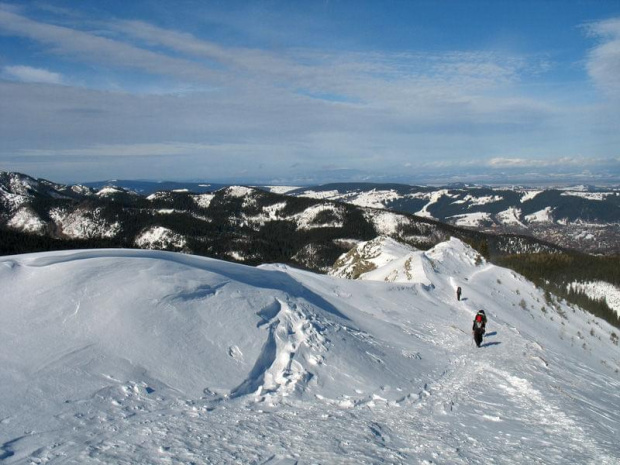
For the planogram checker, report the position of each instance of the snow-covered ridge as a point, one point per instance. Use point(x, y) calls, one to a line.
point(368, 256)
point(238, 191)
point(321, 195)
point(384, 259)
point(589, 195)
point(108, 191)
point(280, 189)
point(373, 199)
point(549, 214)
point(471, 200)
point(154, 357)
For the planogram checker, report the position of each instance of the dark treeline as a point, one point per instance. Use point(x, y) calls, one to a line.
point(556, 272)
point(12, 243)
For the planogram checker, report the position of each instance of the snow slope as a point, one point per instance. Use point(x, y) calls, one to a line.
point(129, 356)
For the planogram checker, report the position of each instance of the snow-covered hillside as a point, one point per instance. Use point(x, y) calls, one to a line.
point(133, 356)
point(581, 217)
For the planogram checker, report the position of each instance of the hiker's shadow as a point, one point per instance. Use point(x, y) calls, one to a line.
point(494, 333)
point(489, 344)
point(463, 299)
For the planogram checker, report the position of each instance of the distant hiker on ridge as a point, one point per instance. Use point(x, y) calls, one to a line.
point(479, 326)
point(458, 293)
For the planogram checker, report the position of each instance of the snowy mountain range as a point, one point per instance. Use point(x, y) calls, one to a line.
point(141, 357)
point(584, 218)
point(243, 224)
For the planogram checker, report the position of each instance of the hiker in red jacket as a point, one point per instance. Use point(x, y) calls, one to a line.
point(479, 326)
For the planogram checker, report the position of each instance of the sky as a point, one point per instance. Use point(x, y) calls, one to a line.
point(307, 92)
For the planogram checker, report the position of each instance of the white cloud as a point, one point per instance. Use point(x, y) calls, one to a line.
point(29, 74)
point(603, 63)
point(549, 162)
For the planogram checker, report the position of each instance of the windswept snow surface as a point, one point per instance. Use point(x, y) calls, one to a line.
point(144, 357)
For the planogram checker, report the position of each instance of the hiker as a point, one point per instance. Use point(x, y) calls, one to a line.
point(479, 327)
point(458, 293)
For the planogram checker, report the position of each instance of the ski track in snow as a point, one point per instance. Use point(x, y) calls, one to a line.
point(510, 402)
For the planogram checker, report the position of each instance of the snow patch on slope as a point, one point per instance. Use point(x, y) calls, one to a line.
point(601, 290)
point(272, 211)
point(374, 198)
point(203, 200)
point(82, 224)
point(474, 201)
point(281, 189)
point(529, 195)
point(386, 223)
point(433, 197)
point(28, 221)
point(510, 216)
point(321, 195)
point(541, 216)
point(158, 237)
point(320, 216)
point(599, 196)
point(471, 220)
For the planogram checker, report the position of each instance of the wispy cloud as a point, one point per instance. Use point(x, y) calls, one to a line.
point(121, 150)
point(379, 79)
point(224, 107)
point(93, 48)
point(603, 63)
point(29, 74)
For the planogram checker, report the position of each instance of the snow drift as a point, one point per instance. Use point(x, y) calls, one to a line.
point(155, 357)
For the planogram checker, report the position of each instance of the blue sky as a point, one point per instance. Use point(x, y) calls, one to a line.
point(300, 92)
